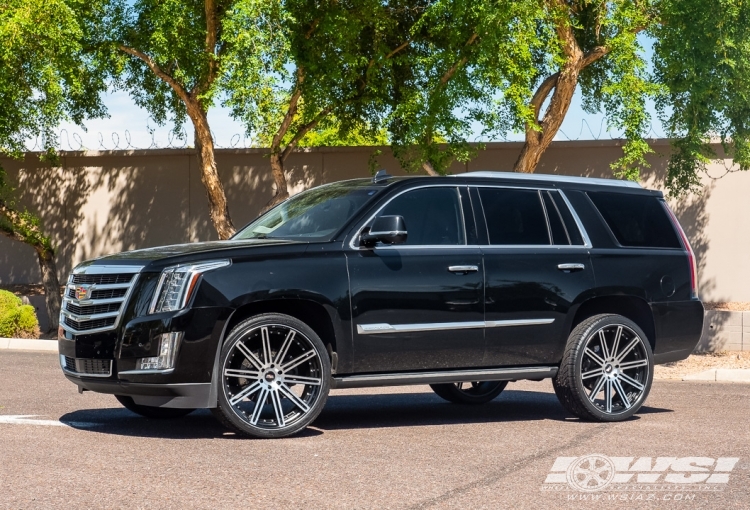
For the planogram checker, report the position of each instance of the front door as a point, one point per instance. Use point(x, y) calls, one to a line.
point(536, 268)
point(418, 305)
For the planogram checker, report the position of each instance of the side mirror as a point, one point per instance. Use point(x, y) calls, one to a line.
point(385, 229)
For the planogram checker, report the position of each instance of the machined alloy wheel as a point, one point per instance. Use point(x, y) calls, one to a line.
point(477, 392)
point(607, 369)
point(275, 377)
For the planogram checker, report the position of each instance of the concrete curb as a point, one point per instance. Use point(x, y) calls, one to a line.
point(737, 375)
point(23, 344)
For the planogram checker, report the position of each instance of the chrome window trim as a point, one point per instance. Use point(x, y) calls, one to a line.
point(584, 235)
point(577, 219)
point(559, 215)
point(80, 374)
point(385, 328)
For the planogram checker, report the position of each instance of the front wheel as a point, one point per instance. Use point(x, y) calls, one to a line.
point(275, 377)
point(469, 392)
point(151, 411)
point(607, 369)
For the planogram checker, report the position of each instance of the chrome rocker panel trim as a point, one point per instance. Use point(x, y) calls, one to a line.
point(383, 328)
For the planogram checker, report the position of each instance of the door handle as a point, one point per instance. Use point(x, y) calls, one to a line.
point(570, 267)
point(463, 269)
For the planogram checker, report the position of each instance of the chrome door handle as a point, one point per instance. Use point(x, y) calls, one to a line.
point(570, 267)
point(463, 269)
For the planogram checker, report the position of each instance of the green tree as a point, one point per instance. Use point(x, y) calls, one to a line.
point(515, 66)
point(178, 58)
point(333, 74)
point(45, 78)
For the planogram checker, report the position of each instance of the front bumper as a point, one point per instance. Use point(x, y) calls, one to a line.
point(188, 385)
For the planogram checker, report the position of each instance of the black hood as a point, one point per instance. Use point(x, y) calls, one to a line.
point(189, 252)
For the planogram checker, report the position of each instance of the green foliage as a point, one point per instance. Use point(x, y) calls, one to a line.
point(46, 76)
point(16, 319)
point(702, 56)
point(20, 224)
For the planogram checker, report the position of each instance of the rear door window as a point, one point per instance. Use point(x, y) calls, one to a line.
point(514, 216)
point(636, 220)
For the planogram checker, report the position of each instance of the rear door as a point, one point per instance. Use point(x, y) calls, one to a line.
point(536, 268)
point(419, 305)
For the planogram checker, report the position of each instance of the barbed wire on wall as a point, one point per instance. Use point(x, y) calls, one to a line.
point(180, 140)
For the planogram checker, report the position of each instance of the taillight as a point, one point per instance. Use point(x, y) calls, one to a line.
point(691, 255)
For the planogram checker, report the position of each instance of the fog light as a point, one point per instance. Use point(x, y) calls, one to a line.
point(169, 343)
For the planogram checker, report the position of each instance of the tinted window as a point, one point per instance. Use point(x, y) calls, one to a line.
point(514, 216)
point(317, 213)
point(556, 226)
point(432, 216)
point(636, 220)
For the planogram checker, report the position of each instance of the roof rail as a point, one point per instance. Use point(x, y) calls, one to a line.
point(551, 177)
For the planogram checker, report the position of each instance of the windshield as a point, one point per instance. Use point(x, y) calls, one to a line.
point(315, 214)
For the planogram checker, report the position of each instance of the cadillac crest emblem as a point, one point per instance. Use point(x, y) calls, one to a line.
point(82, 293)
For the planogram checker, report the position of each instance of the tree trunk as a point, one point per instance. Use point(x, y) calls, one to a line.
point(217, 199)
point(51, 285)
point(537, 140)
point(427, 166)
point(279, 179)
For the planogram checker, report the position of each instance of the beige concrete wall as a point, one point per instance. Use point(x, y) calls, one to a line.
point(103, 202)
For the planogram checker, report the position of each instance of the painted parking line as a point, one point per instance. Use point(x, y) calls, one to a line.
point(28, 419)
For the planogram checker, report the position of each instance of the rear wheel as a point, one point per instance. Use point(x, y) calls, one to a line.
point(151, 411)
point(607, 369)
point(275, 377)
point(478, 392)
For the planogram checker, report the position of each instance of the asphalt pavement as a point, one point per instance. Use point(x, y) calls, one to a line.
point(400, 448)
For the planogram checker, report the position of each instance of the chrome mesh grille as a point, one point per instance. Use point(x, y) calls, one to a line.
point(95, 297)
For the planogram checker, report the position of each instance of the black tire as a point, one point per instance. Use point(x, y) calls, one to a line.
point(606, 354)
point(291, 393)
point(474, 394)
point(161, 413)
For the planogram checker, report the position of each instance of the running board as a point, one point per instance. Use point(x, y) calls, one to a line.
point(407, 378)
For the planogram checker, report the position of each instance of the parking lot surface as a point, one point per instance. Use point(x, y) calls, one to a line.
point(399, 448)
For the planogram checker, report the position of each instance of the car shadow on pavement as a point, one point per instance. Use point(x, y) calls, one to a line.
point(342, 412)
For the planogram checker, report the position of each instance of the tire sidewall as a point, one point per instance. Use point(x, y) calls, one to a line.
point(237, 334)
point(596, 325)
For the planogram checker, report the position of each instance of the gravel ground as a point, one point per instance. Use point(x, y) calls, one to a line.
point(700, 362)
point(384, 448)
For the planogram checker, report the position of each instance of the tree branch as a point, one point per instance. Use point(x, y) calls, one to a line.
point(210, 49)
point(169, 80)
point(450, 72)
point(303, 131)
point(542, 92)
point(291, 111)
point(594, 55)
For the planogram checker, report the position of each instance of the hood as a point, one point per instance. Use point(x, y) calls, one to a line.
point(178, 253)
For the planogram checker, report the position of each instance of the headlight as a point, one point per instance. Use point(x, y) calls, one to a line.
point(177, 283)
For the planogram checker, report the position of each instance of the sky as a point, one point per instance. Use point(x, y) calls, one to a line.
point(129, 126)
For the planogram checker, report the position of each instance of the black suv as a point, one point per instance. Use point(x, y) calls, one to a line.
point(464, 283)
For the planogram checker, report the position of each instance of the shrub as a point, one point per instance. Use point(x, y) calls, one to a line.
point(16, 319)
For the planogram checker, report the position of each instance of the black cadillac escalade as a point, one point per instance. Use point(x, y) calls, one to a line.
point(464, 283)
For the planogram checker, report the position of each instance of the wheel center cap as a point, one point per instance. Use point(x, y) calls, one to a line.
point(608, 368)
point(270, 376)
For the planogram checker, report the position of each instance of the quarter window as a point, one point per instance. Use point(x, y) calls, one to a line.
point(636, 220)
point(432, 216)
point(514, 216)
